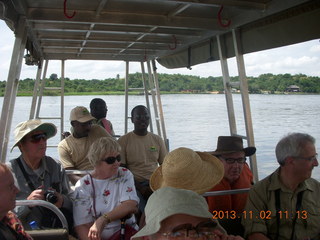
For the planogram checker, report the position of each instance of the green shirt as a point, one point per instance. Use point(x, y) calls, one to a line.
point(260, 214)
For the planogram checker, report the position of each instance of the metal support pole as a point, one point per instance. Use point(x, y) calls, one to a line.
point(44, 73)
point(227, 89)
point(245, 100)
point(154, 100)
point(62, 98)
point(126, 99)
point(35, 91)
point(12, 86)
point(146, 93)
point(156, 82)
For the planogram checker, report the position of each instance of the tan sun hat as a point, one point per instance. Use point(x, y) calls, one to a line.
point(186, 169)
point(169, 201)
point(231, 144)
point(23, 128)
point(80, 114)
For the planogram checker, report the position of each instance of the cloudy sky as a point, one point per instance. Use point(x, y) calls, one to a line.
point(299, 58)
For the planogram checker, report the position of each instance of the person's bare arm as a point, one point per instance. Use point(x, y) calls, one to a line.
point(82, 231)
point(66, 161)
point(122, 210)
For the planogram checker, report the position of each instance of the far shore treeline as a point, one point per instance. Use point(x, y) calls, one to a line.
point(173, 83)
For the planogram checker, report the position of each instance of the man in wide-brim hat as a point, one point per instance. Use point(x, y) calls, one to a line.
point(237, 175)
point(39, 177)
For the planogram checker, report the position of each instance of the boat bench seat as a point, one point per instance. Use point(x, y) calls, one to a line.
point(49, 234)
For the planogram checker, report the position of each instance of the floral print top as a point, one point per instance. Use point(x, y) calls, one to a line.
point(109, 193)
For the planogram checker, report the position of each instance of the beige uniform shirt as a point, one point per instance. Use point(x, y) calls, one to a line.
point(73, 151)
point(142, 154)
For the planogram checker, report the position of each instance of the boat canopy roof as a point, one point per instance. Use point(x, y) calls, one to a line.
point(177, 33)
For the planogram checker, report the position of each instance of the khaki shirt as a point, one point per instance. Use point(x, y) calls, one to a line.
point(142, 154)
point(73, 151)
point(260, 214)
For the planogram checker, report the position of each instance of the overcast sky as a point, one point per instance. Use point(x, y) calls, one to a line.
point(299, 58)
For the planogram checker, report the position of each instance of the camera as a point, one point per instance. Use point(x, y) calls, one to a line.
point(50, 196)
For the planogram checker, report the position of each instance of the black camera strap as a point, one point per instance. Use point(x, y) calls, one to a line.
point(43, 211)
point(278, 209)
point(30, 184)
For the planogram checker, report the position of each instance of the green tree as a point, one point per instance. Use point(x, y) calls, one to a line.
point(53, 76)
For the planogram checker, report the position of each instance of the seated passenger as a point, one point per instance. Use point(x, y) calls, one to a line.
point(141, 152)
point(178, 214)
point(186, 169)
point(39, 177)
point(237, 174)
point(73, 149)
point(99, 110)
point(106, 195)
point(10, 226)
point(285, 205)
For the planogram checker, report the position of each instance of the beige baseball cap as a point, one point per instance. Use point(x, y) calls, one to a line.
point(80, 114)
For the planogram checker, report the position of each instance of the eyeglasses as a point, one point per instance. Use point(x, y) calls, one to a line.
point(36, 138)
point(204, 230)
point(313, 158)
point(233, 160)
point(111, 160)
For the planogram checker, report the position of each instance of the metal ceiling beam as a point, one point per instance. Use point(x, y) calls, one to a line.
point(125, 19)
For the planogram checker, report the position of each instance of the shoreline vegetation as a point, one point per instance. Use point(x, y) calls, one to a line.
point(29, 94)
point(174, 84)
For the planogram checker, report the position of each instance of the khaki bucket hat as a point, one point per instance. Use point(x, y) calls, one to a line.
point(168, 201)
point(231, 144)
point(187, 169)
point(23, 128)
point(81, 114)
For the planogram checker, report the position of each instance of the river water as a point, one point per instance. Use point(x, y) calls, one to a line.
point(196, 120)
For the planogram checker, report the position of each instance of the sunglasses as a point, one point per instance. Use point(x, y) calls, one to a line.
point(36, 138)
point(111, 160)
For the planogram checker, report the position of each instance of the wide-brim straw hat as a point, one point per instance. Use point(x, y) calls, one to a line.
point(169, 201)
point(232, 144)
point(187, 169)
point(23, 128)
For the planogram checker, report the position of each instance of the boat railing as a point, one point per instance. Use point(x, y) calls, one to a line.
point(206, 194)
point(226, 192)
point(47, 234)
point(80, 172)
